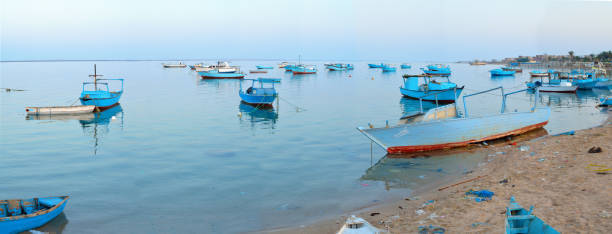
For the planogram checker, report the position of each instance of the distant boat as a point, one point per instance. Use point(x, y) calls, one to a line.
point(298, 70)
point(258, 71)
point(553, 85)
point(437, 70)
point(443, 127)
point(222, 71)
point(193, 67)
point(264, 67)
point(519, 220)
point(356, 225)
point(405, 66)
point(605, 101)
point(339, 67)
point(371, 65)
point(515, 69)
point(501, 72)
point(26, 214)
point(100, 95)
point(290, 67)
point(179, 65)
point(447, 92)
point(260, 95)
point(283, 64)
point(60, 110)
point(476, 63)
point(538, 73)
point(388, 68)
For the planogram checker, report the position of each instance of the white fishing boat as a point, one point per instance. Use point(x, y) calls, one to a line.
point(179, 65)
point(356, 225)
point(60, 110)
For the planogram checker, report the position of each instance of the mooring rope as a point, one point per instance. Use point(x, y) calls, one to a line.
point(297, 108)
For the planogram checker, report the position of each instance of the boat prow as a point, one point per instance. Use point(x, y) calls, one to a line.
point(27, 214)
point(356, 225)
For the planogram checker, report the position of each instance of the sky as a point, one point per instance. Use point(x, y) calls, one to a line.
point(429, 30)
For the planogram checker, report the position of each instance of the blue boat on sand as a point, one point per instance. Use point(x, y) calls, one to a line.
point(372, 65)
point(260, 95)
point(443, 127)
point(448, 92)
point(520, 220)
point(388, 68)
point(264, 67)
point(501, 72)
point(405, 66)
point(98, 93)
point(437, 70)
point(22, 215)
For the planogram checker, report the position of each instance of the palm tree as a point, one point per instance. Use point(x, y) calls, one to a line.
point(571, 55)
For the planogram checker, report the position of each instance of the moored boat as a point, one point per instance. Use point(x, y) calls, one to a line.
point(437, 70)
point(477, 63)
point(170, 65)
point(59, 110)
point(372, 65)
point(222, 71)
point(264, 67)
point(405, 66)
point(20, 215)
point(442, 127)
point(258, 71)
point(553, 85)
point(283, 64)
point(260, 95)
point(447, 91)
point(193, 67)
point(100, 96)
point(501, 72)
point(388, 68)
point(605, 101)
point(538, 73)
point(302, 69)
point(519, 220)
point(512, 68)
point(339, 67)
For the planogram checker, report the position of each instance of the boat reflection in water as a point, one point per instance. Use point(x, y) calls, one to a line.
point(258, 116)
point(56, 225)
point(98, 126)
point(427, 170)
point(586, 98)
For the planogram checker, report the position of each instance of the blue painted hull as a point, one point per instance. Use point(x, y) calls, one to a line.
point(371, 65)
point(499, 72)
point(603, 83)
point(405, 66)
point(605, 101)
point(217, 75)
point(104, 100)
point(333, 68)
point(257, 99)
point(437, 73)
point(456, 132)
point(521, 221)
point(585, 84)
point(388, 69)
point(264, 67)
point(17, 224)
point(446, 97)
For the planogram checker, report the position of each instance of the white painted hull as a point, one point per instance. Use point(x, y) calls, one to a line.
point(174, 65)
point(558, 89)
point(60, 110)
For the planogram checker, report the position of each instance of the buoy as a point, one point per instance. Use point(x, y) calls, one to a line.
point(372, 78)
point(113, 118)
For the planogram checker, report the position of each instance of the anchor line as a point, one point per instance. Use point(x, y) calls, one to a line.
point(296, 106)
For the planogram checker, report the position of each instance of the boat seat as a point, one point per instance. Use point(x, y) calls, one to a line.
point(49, 201)
point(521, 217)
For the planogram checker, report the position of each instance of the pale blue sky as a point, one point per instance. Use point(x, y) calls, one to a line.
point(317, 29)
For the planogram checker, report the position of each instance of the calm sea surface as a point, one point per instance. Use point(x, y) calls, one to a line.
point(180, 154)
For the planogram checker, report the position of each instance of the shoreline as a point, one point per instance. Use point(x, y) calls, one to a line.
point(550, 172)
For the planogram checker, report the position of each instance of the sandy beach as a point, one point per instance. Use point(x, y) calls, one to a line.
point(553, 173)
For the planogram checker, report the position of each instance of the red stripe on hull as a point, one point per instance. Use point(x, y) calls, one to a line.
point(302, 73)
point(417, 148)
point(103, 108)
point(558, 91)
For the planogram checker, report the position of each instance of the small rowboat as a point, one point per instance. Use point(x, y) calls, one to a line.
point(260, 95)
point(22, 215)
point(501, 72)
point(60, 110)
point(174, 65)
point(605, 101)
point(388, 68)
point(519, 220)
point(356, 225)
point(264, 67)
point(258, 71)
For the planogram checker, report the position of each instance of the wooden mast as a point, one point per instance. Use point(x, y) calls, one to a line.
point(95, 76)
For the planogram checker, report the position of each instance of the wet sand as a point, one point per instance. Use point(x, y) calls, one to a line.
point(552, 173)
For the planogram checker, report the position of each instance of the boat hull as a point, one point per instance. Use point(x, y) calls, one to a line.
point(388, 69)
point(375, 65)
point(220, 75)
point(102, 103)
point(60, 110)
point(405, 66)
point(263, 67)
point(558, 89)
point(603, 84)
point(445, 97)
point(437, 73)
point(605, 101)
point(450, 133)
point(21, 223)
point(257, 99)
point(502, 73)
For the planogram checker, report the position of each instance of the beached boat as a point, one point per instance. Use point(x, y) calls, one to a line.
point(259, 95)
point(388, 68)
point(447, 91)
point(258, 71)
point(22, 215)
point(356, 225)
point(437, 70)
point(222, 71)
point(100, 96)
point(501, 72)
point(405, 66)
point(170, 65)
point(264, 67)
point(372, 65)
point(302, 69)
point(519, 220)
point(60, 110)
point(538, 73)
point(442, 127)
point(605, 101)
point(512, 68)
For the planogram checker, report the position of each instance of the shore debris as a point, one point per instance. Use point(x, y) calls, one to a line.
point(595, 149)
point(431, 229)
point(419, 212)
point(504, 181)
point(570, 133)
point(462, 182)
point(374, 213)
point(524, 148)
point(480, 195)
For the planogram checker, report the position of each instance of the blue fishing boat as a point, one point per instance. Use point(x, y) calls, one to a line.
point(519, 220)
point(538, 73)
point(100, 95)
point(405, 66)
point(339, 67)
point(222, 71)
point(22, 215)
point(443, 127)
point(264, 67)
point(512, 68)
point(552, 85)
point(388, 68)
point(289, 67)
point(447, 91)
point(303, 69)
point(437, 70)
point(501, 72)
point(371, 65)
point(605, 101)
point(260, 95)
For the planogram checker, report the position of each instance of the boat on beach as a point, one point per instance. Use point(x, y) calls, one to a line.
point(20, 215)
point(446, 91)
point(501, 72)
point(356, 225)
point(437, 70)
point(519, 220)
point(99, 94)
point(443, 127)
point(177, 65)
point(260, 95)
point(60, 110)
